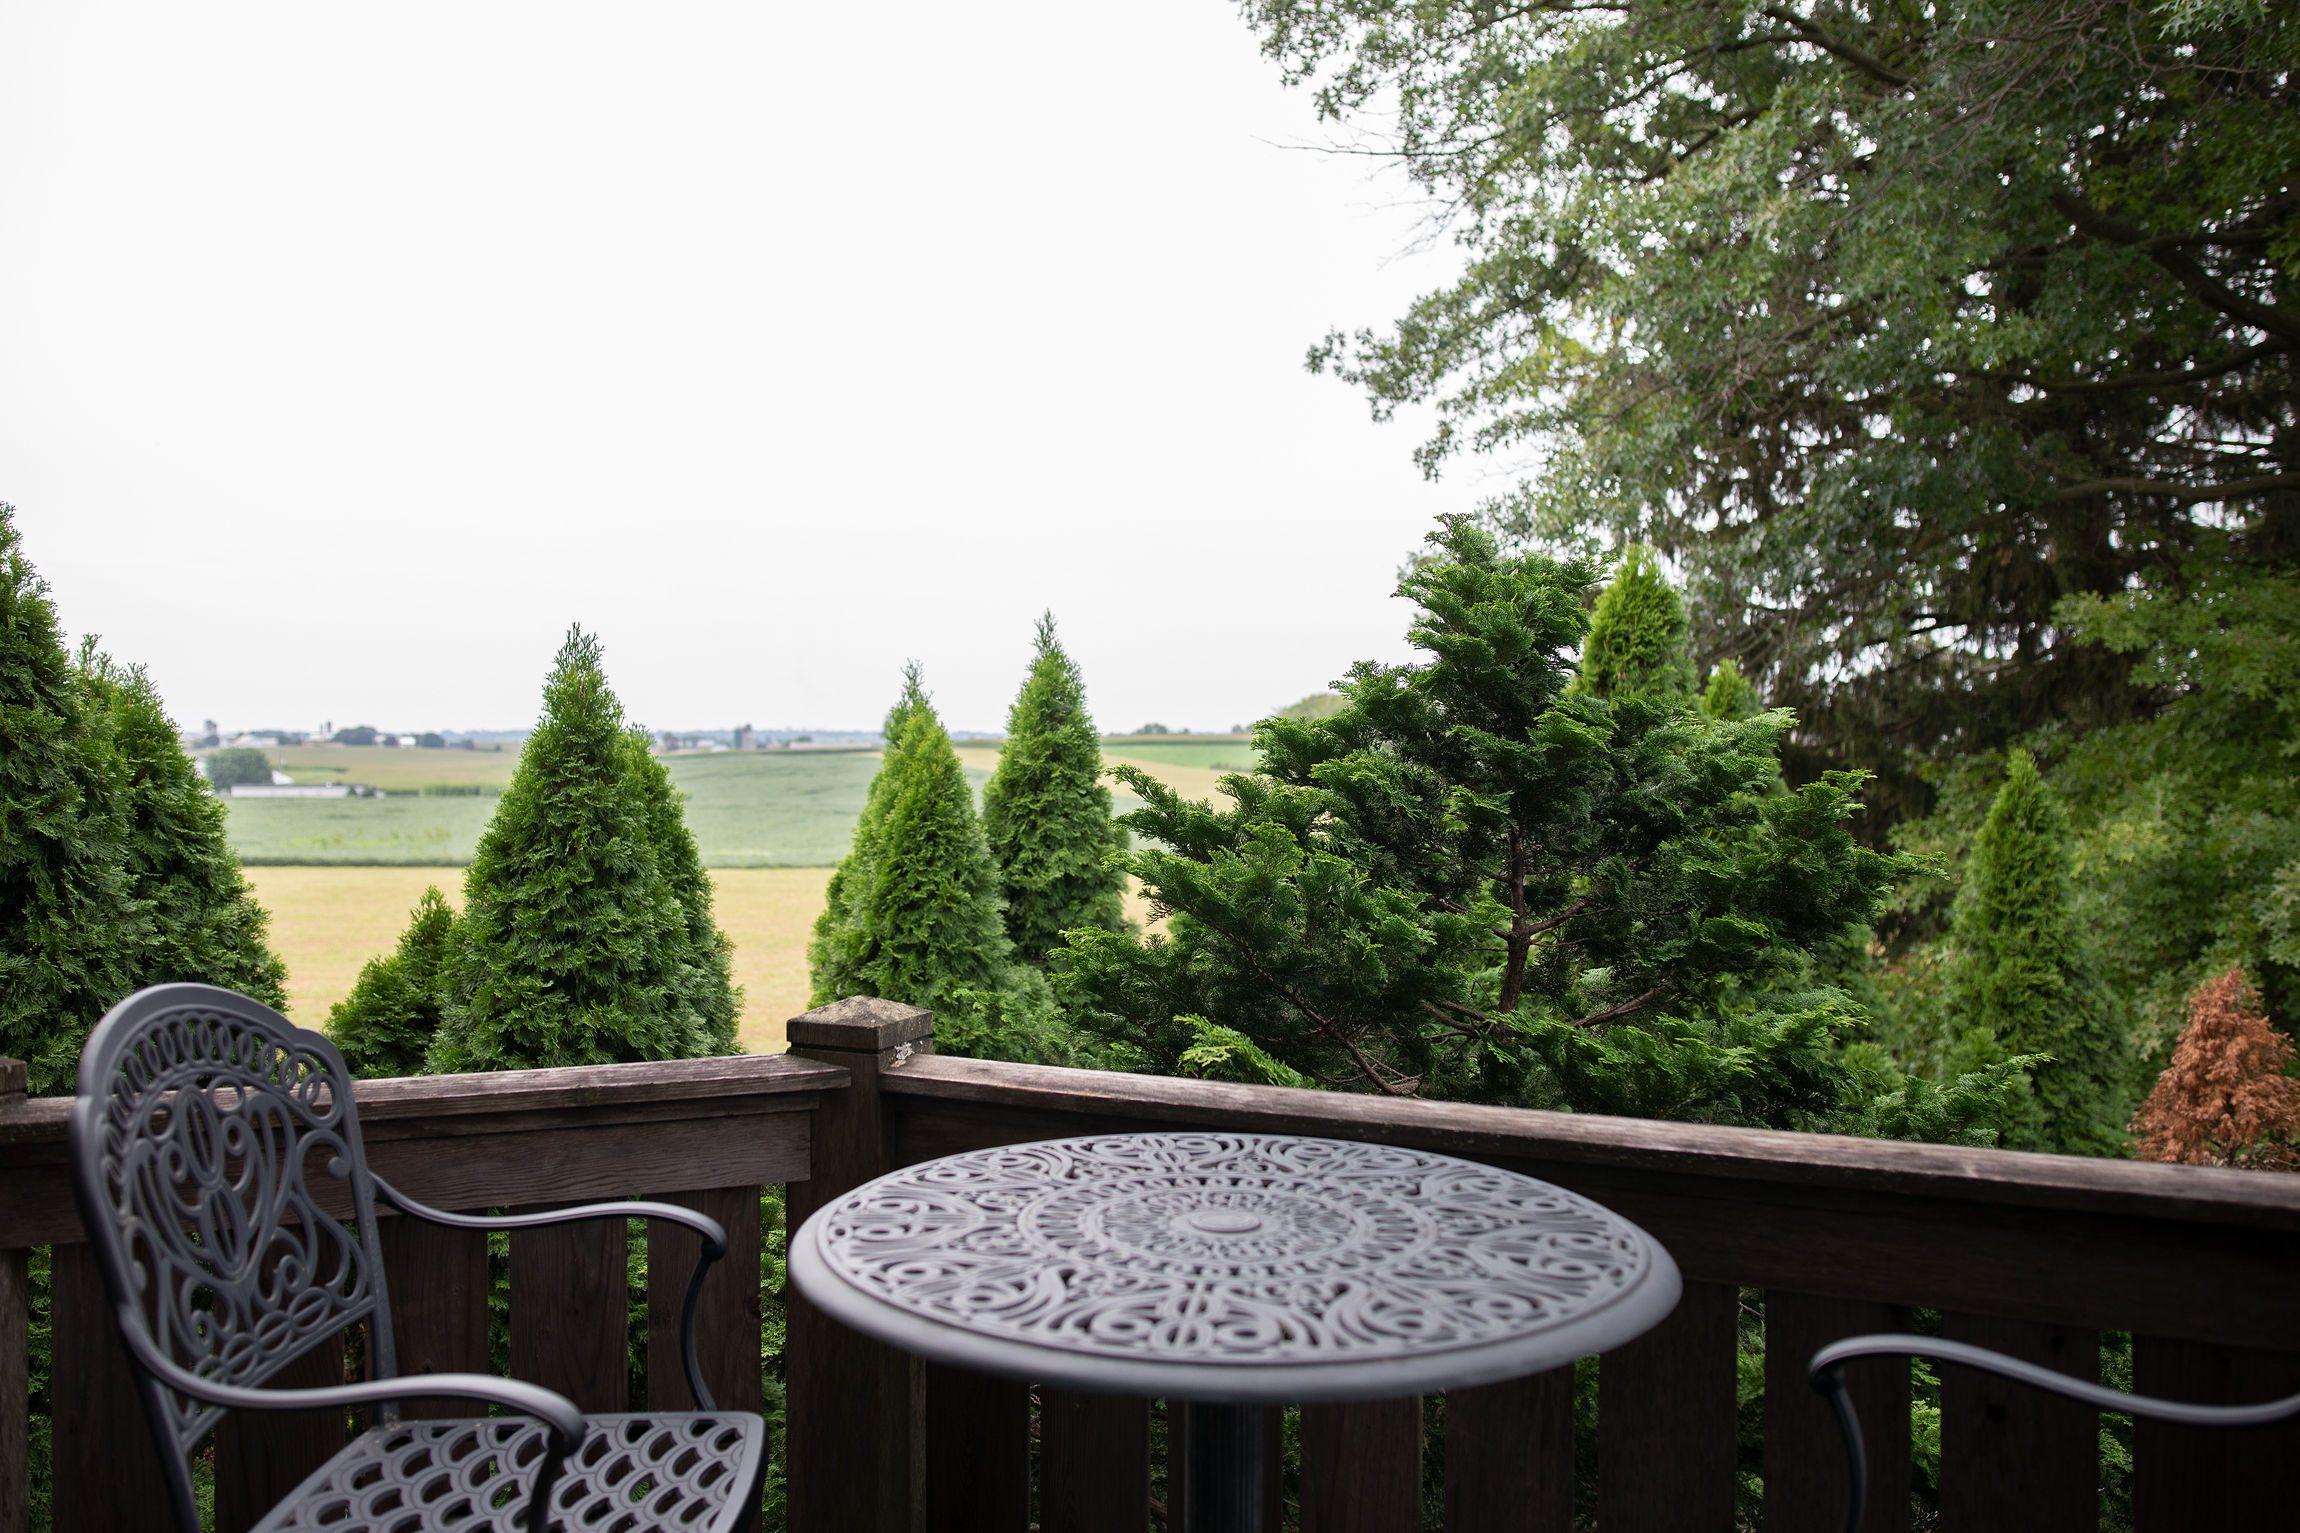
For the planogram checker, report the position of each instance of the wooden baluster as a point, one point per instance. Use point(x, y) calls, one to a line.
point(2213, 1477)
point(854, 1464)
point(726, 1313)
point(15, 1390)
point(2012, 1456)
point(570, 1310)
point(1179, 1467)
point(437, 1277)
point(15, 1355)
point(1666, 1421)
point(1804, 1453)
point(107, 1466)
point(261, 1456)
point(977, 1452)
point(1362, 1467)
point(1509, 1456)
point(1093, 1463)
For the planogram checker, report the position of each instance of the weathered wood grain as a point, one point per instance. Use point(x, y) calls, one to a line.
point(2084, 1263)
point(107, 1467)
point(15, 1390)
point(1666, 1424)
point(856, 1458)
point(2012, 1456)
point(977, 1452)
point(2192, 1477)
point(1180, 1467)
point(1509, 1456)
point(1707, 1152)
point(261, 1457)
point(437, 1278)
point(1093, 1463)
point(519, 1142)
point(1362, 1467)
point(1804, 1457)
point(726, 1312)
point(569, 1309)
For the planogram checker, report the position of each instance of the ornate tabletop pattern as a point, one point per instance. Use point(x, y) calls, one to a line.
point(1215, 1248)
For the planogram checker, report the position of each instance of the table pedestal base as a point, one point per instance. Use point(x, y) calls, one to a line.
point(1226, 1452)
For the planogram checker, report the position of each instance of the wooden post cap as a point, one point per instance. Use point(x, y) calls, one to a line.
point(860, 1024)
point(15, 1076)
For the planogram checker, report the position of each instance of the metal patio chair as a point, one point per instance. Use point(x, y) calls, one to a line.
point(215, 1152)
point(1827, 1373)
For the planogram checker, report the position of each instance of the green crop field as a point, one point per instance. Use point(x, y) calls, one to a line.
point(1225, 755)
point(753, 809)
point(776, 809)
point(395, 831)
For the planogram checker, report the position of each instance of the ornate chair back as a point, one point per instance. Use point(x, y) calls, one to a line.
point(216, 1157)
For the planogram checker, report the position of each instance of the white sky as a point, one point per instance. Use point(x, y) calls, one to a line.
point(348, 353)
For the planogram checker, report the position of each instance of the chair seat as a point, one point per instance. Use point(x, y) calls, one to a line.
point(695, 1472)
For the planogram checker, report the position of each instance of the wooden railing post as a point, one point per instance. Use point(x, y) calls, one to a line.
point(15, 1354)
point(856, 1453)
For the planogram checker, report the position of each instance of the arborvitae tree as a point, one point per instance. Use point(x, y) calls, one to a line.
point(710, 955)
point(1483, 881)
point(2023, 976)
point(835, 955)
point(1046, 811)
point(206, 924)
point(575, 949)
point(1637, 643)
point(929, 922)
point(2225, 1100)
point(1729, 694)
point(71, 928)
point(386, 1025)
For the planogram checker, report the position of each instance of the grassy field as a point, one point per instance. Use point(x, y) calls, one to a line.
point(1225, 755)
point(395, 771)
point(407, 831)
point(327, 922)
point(756, 809)
point(340, 875)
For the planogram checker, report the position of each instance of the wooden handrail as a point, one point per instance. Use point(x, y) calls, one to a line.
point(1822, 1235)
point(2009, 1179)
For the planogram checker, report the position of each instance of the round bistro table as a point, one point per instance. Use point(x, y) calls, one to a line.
point(1232, 1271)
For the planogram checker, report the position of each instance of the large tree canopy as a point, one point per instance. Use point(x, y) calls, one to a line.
point(1892, 325)
point(1480, 879)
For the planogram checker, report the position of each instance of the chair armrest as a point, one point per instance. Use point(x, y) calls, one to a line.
point(557, 1413)
point(1827, 1375)
point(714, 1238)
point(714, 1234)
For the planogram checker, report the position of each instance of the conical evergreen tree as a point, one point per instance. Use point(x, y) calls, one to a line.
point(2023, 977)
point(206, 924)
point(835, 955)
point(575, 949)
point(1637, 644)
point(385, 1026)
point(924, 904)
point(1729, 694)
point(711, 984)
point(71, 928)
point(1046, 811)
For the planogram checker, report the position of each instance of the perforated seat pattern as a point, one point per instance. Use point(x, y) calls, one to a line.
point(630, 1474)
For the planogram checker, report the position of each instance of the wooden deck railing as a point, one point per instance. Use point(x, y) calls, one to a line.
point(1821, 1236)
point(706, 1133)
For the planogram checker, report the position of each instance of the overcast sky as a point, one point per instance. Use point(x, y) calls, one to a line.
point(350, 352)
